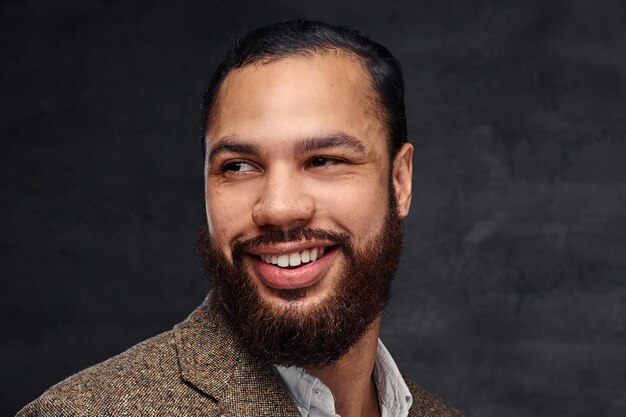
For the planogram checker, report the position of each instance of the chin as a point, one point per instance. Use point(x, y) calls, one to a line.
point(303, 299)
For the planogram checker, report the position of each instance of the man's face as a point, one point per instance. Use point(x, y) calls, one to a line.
point(299, 184)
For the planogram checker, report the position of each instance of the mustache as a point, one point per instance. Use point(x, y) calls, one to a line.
point(292, 235)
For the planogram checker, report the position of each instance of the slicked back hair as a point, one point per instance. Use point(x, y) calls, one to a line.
point(305, 37)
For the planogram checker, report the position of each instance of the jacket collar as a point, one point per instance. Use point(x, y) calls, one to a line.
point(213, 359)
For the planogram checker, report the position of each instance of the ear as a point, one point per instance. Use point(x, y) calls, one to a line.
point(402, 178)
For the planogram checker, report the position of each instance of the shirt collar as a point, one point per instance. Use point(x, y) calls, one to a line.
point(394, 396)
point(312, 396)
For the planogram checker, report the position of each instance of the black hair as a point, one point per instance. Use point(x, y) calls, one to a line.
point(305, 37)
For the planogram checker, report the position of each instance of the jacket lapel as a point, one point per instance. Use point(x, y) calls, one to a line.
point(213, 360)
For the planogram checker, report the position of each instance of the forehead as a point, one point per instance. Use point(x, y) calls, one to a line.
point(298, 96)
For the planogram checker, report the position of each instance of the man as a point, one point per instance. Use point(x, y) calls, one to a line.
point(307, 178)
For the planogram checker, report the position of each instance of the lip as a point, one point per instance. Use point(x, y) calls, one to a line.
point(302, 276)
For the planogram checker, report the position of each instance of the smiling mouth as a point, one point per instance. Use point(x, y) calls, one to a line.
point(294, 259)
point(292, 269)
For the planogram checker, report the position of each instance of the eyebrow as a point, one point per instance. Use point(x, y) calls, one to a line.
point(233, 145)
point(334, 140)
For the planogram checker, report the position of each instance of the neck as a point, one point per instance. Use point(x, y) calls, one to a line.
point(350, 379)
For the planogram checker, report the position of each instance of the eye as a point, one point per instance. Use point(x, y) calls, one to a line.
point(322, 161)
point(238, 166)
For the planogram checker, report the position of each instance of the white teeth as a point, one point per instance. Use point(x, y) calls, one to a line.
point(295, 258)
point(283, 260)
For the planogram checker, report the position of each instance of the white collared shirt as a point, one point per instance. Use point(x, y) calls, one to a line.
point(314, 399)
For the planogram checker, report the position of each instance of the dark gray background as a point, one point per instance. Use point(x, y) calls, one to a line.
point(511, 297)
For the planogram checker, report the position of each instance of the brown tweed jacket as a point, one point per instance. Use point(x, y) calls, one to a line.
point(197, 369)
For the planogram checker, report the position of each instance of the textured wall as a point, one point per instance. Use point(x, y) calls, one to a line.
point(511, 298)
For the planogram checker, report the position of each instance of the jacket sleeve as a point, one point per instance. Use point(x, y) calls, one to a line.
point(49, 406)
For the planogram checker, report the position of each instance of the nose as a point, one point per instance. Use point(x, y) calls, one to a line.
point(283, 201)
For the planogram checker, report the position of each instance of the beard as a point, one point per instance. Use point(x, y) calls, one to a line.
point(314, 335)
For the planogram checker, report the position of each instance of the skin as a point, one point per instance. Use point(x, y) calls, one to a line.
point(274, 161)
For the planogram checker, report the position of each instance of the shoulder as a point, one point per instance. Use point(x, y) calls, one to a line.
point(426, 404)
point(147, 374)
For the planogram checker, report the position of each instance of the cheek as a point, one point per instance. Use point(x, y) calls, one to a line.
point(359, 207)
point(225, 214)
